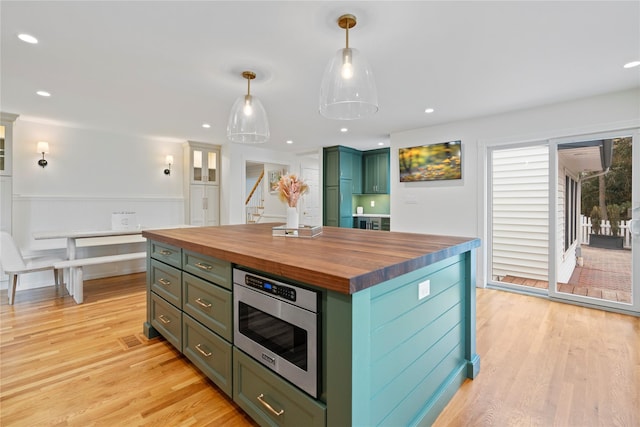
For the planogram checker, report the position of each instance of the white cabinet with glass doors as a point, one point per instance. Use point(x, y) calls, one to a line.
point(202, 191)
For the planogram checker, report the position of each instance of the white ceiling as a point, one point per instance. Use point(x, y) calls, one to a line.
point(163, 68)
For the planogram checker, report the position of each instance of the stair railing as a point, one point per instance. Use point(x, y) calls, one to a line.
point(255, 201)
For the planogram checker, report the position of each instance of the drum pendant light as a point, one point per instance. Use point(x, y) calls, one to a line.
point(248, 122)
point(348, 90)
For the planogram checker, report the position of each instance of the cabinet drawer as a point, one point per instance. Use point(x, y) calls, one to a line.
point(210, 353)
point(169, 254)
point(255, 387)
point(166, 281)
point(167, 320)
point(208, 268)
point(210, 304)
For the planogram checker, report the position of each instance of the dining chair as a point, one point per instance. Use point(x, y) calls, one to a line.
point(14, 264)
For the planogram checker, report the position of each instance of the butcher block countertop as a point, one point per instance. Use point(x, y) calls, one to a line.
point(344, 260)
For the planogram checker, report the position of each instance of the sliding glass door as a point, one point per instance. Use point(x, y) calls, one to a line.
point(564, 219)
point(596, 208)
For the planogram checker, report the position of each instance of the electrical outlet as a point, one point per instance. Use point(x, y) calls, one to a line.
point(424, 289)
point(373, 203)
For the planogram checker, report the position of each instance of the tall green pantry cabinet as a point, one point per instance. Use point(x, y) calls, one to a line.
point(342, 178)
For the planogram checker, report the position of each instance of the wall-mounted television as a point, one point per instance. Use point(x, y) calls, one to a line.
point(433, 162)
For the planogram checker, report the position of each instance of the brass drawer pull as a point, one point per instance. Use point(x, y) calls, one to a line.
point(203, 304)
point(164, 319)
point(204, 353)
point(266, 405)
point(165, 252)
point(203, 266)
point(164, 282)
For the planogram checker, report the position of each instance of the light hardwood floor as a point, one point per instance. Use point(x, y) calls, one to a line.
point(62, 364)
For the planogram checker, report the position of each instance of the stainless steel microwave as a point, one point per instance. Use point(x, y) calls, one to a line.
point(278, 325)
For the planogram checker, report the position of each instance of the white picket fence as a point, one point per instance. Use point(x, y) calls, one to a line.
point(605, 229)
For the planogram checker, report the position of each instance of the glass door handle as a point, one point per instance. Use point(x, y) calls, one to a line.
point(632, 223)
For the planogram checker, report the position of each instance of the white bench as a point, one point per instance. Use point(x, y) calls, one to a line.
point(76, 285)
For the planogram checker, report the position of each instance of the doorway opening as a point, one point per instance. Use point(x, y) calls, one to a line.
point(261, 203)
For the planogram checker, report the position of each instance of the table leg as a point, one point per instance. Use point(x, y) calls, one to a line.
point(78, 291)
point(71, 254)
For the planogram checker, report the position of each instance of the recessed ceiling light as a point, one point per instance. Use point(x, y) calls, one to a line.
point(429, 110)
point(380, 143)
point(43, 93)
point(289, 141)
point(343, 130)
point(631, 64)
point(206, 125)
point(28, 38)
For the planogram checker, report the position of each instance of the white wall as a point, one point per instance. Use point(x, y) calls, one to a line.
point(90, 174)
point(458, 208)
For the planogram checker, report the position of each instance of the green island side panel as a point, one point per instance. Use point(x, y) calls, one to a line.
point(394, 359)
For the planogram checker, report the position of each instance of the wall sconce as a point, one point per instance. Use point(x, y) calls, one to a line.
point(169, 161)
point(43, 147)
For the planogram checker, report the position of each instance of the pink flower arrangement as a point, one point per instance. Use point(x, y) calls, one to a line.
point(290, 188)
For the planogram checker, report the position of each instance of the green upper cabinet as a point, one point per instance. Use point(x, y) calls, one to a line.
point(331, 167)
point(346, 163)
point(356, 172)
point(376, 171)
point(341, 163)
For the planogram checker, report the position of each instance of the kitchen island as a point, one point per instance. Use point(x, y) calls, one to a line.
point(397, 328)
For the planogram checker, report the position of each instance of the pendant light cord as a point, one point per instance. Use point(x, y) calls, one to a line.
point(347, 28)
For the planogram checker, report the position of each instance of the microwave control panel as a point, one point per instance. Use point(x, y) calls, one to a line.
point(287, 292)
point(271, 287)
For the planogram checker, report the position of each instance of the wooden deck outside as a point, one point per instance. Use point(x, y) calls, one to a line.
point(605, 274)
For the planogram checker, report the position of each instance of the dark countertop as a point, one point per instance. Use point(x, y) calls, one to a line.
point(340, 259)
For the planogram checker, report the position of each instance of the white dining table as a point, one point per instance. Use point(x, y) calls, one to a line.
point(88, 238)
point(72, 237)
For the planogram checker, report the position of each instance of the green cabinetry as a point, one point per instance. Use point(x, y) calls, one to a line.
point(393, 351)
point(348, 172)
point(376, 171)
point(270, 400)
point(356, 172)
point(210, 353)
point(190, 304)
point(166, 319)
point(395, 359)
point(342, 178)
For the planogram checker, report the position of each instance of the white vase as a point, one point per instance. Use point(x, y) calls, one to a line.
point(292, 217)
